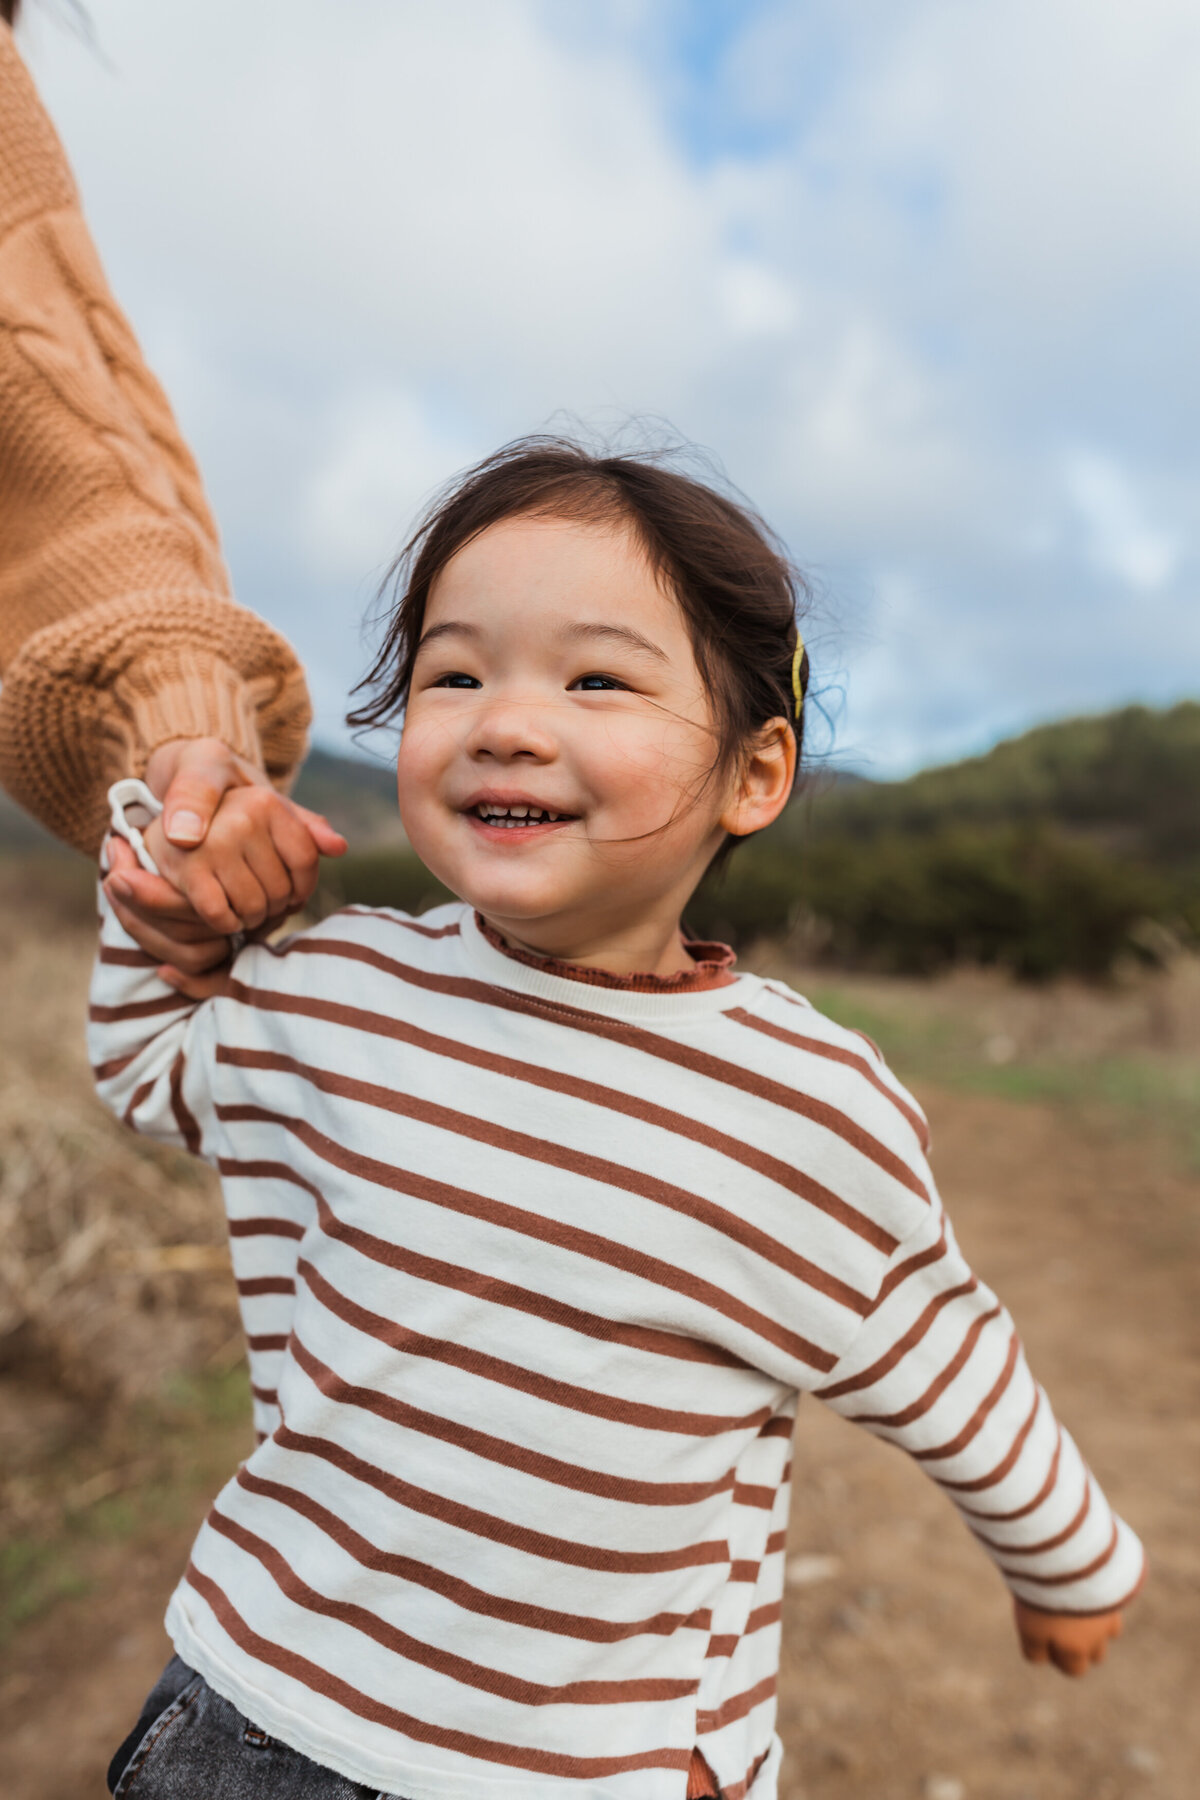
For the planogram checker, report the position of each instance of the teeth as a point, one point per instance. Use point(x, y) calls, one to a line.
point(516, 817)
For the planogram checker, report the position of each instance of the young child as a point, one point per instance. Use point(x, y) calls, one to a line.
point(543, 1218)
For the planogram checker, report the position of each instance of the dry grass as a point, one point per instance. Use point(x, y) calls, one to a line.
point(112, 1261)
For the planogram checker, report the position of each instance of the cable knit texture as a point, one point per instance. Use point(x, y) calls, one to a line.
point(117, 628)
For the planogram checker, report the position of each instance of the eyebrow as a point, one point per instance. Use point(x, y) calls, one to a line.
point(621, 634)
point(451, 628)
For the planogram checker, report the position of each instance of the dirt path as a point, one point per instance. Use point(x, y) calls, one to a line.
point(901, 1676)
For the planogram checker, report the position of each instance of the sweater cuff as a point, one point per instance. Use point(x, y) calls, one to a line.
point(191, 694)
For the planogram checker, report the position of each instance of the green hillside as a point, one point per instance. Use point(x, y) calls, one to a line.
point(1127, 780)
point(1069, 848)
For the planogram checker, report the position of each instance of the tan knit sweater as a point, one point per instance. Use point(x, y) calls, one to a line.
point(117, 629)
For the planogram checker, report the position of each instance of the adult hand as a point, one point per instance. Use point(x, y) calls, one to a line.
point(190, 776)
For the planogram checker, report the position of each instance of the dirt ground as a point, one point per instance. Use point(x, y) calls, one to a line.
point(901, 1676)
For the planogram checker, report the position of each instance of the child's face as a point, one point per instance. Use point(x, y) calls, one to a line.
point(556, 678)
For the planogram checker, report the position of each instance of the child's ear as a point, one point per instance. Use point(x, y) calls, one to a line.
point(763, 780)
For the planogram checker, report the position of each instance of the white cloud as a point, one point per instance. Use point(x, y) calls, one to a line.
point(368, 243)
point(1120, 540)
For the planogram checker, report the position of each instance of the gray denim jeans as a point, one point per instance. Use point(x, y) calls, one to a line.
point(189, 1744)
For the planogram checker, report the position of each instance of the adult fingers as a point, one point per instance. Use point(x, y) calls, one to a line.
point(151, 895)
point(1035, 1650)
point(201, 954)
point(204, 770)
point(1071, 1662)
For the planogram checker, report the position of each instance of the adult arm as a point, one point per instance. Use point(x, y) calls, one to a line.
point(118, 633)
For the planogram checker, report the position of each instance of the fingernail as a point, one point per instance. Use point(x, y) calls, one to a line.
point(185, 828)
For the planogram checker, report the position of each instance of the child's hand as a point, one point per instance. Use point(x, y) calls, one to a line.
point(1071, 1642)
point(258, 858)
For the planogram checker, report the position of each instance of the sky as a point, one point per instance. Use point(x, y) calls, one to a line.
point(921, 277)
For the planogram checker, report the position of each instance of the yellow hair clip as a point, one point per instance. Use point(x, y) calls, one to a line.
point(797, 660)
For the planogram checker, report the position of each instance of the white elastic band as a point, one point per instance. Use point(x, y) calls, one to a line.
point(123, 795)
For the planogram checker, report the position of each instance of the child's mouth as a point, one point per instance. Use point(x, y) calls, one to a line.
point(517, 817)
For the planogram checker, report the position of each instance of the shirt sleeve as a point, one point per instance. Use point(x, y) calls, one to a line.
point(117, 627)
point(937, 1368)
point(151, 1049)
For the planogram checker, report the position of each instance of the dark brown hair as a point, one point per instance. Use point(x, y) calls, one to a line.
point(9, 10)
point(738, 591)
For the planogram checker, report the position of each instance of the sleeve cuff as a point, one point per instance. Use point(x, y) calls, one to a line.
point(192, 694)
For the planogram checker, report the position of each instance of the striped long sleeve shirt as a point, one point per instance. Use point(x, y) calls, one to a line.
point(532, 1275)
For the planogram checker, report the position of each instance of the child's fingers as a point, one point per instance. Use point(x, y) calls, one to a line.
point(197, 987)
point(298, 849)
point(328, 841)
point(274, 877)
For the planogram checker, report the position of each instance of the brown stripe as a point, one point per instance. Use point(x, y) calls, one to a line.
point(498, 1450)
point(836, 1053)
point(533, 1225)
point(974, 1424)
point(699, 1062)
point(1091, 1568)
point(758, 1620)
point(268, 1396)
point(106, 1070)
point(138, 1009)
point(484, 1287)
point(548, 1388)
point(189, 1131)
point(364, 1706)
point(284, 1228)
point(1047, 1485)
point(462, 1593)
point(115, 957)
point(913, 1266)
point(556, 1081)
point(426, 931)
point(643, 1691)
point(135, 1100)
point(501, 1531)
point(781, 1426)
point(1005, 1467)
point(1094, 1612)
point(269, 1340)
point(900, 1349)
point(1050, 1543)
point(266, 1284)
point(937, 1387)
point(737, 1706)
point(748, 1493)
point(775, 1543)
point(740, 1789)
point(558, 1156)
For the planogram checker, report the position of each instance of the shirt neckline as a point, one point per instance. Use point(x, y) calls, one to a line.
point(522, 973)
point(712, 966)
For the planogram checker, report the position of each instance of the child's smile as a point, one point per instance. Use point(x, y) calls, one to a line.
point(557, 763)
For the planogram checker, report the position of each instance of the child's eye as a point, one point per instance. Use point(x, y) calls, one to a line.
point(456, 679)
point(593, 684)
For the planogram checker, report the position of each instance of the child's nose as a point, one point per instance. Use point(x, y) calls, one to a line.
point(506, 729)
